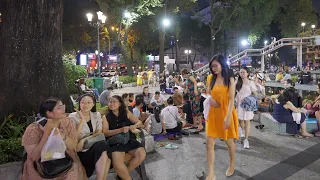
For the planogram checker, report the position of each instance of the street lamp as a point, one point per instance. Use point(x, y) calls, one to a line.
point(187, 52)
point(313, 26)
point(166, 22)
point(265, 42)
point(244, 42)
point(127, 15)
point(100, 22)
point(303, 24)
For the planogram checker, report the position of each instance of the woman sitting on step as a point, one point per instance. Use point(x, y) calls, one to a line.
point(283, 112)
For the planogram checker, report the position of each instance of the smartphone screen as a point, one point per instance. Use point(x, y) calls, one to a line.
point(42, 121)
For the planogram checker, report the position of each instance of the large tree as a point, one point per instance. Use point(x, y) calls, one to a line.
point(30, 55)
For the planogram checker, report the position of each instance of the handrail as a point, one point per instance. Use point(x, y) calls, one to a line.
point(265, 50)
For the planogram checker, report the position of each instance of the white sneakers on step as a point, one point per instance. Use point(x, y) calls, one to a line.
point(246, 144)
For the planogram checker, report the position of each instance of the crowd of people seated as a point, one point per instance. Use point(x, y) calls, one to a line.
point(81, 131)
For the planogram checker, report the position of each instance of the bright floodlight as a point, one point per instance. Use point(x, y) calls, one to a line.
point(244, 42)
point(303, 24)
point(166, 22)
point(186, 51)
point(96, 52)
point(265, 42)
point(189, 52)
point(103, 19)
point(99, 13)
point(313, 26)
point(127, 14)
point(89, 16)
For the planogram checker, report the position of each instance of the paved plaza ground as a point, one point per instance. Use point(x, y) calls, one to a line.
point(270, 157)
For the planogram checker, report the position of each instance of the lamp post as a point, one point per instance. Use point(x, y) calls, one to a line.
point(100, 22)
point(165, 24)
point(187, 52)
point(313, 27)
point(303, 24)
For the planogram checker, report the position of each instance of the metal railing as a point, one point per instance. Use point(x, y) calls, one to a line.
point(265, 50)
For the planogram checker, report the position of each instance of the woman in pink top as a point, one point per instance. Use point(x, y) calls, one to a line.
point(244, 88)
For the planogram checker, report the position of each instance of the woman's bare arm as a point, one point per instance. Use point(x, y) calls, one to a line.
point(232, 89)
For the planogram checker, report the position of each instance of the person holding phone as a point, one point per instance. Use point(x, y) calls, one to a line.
point(36, 136)
point(88, 124)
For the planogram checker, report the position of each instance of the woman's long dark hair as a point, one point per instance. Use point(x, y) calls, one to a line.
point(94, 108)
point(240, 81)
point(48, 105)
point(226, 72)
point(285, 97)
point(123, 107)
point(156, 111)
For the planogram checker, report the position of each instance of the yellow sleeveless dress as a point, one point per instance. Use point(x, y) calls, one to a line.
point(215, 122)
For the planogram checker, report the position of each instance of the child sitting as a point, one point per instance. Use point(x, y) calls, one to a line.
point(154, 124)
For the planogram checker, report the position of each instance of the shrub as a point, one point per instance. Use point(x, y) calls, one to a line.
point(12, 127)
point(89, 82)
point(10, 150)
point(127, 79)
point(72, 73)
point(295, 78)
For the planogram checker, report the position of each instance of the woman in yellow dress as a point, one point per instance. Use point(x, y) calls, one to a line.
point(139, 79)
point(222, 120)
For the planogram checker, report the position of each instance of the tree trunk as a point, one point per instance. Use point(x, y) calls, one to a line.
point(177, 56)
point(161, 49)
point(30, 55)
point(212, 42)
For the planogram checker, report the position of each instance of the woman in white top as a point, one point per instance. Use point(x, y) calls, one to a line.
point(244, 88)
point(155, 124)
point(88, 125)
point(170, 115)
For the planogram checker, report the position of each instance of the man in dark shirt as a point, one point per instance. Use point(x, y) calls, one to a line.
point(186, 109)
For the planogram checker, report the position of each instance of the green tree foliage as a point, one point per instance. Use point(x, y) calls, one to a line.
point(72, 73)
point(292, 13)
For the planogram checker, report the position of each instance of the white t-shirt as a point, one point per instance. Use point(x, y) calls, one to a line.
point(136, 112)
point(160, 101)
point(169, 114)
point(83, 87)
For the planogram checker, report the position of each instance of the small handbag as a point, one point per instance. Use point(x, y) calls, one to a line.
point(53, 168)
point(119, 139)
point(89, 142)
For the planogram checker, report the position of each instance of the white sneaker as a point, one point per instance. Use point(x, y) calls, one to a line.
point(246, 144)
point(241, 132)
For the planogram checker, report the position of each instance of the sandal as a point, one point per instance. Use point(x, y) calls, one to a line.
point(228, 173)
point(171, 146)
point(298, 136)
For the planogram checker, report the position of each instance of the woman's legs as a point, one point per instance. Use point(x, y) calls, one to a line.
point(304, 130)
point(210, 157)
point(138, 157)
point(101, 166)
point(106, 172)
point(242, 125)
point(200, 122)
point(247, 128)
point(232, 154)
point(119, 166)
point(317, 113)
